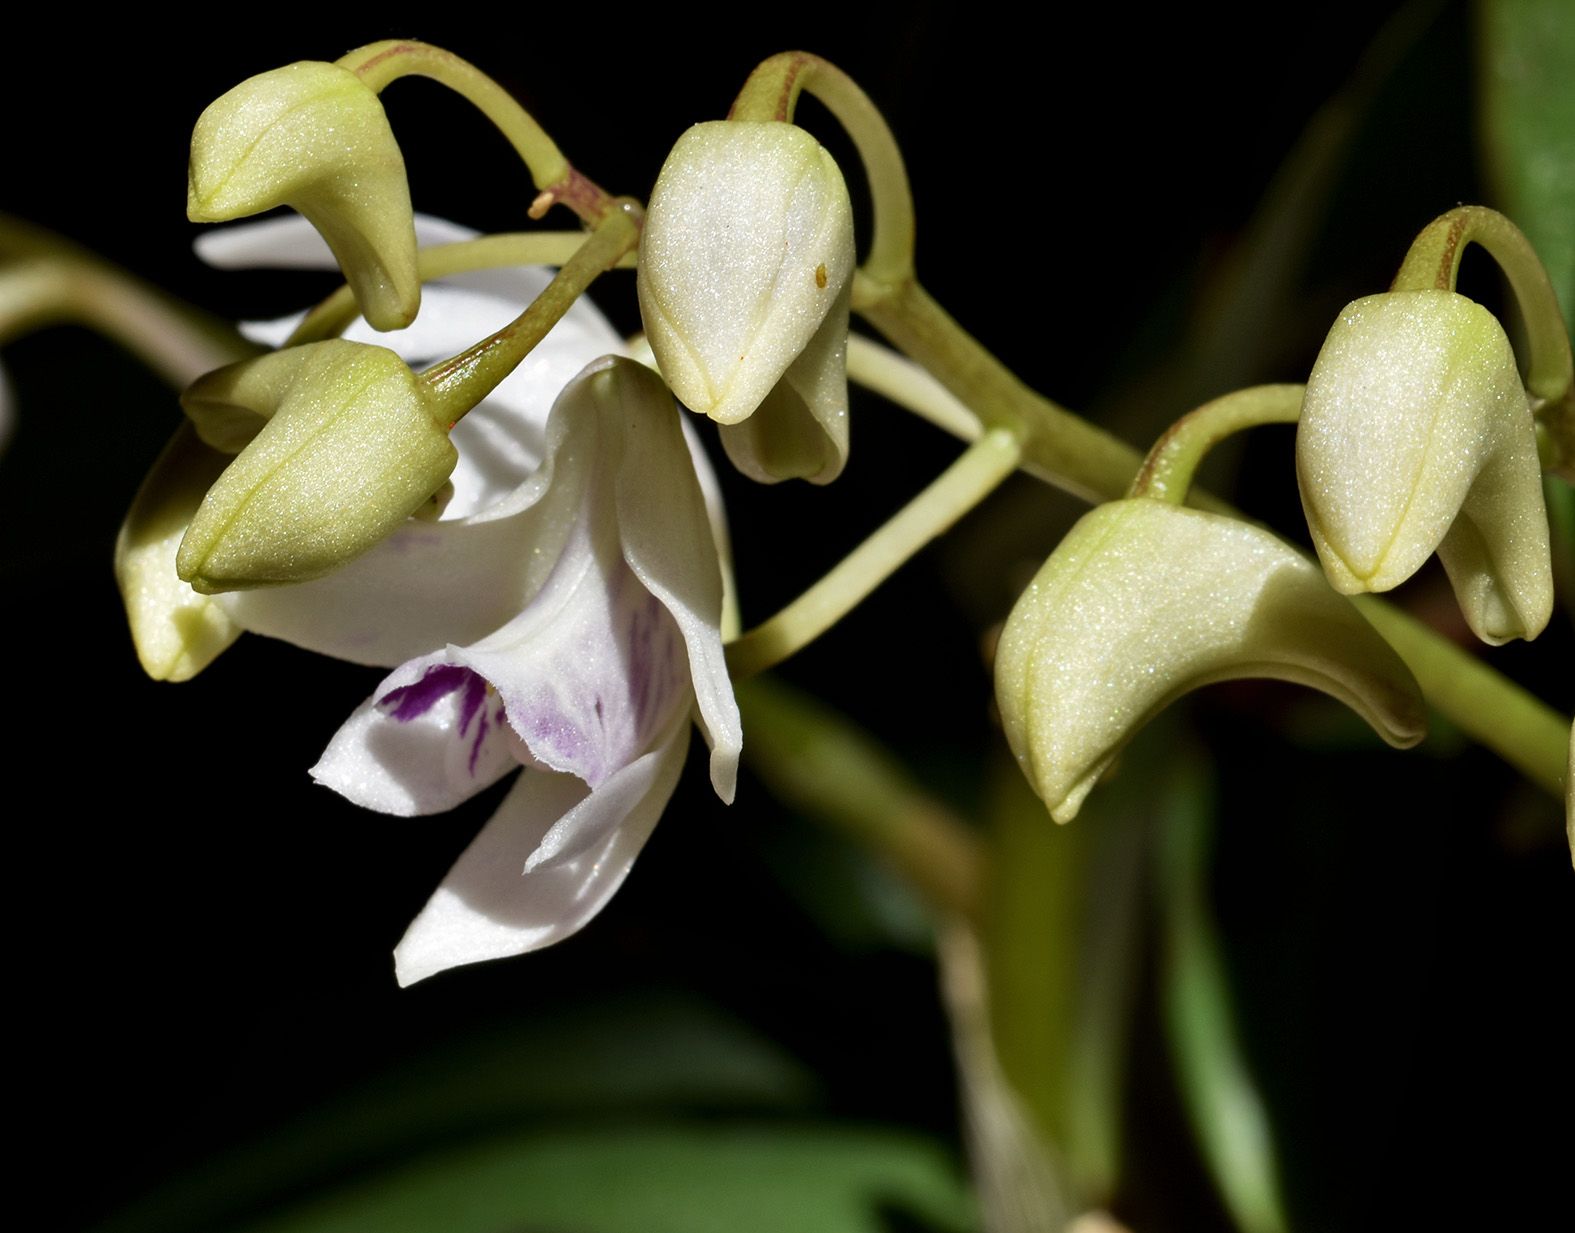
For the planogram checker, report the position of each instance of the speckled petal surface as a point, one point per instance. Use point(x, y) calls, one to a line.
point(1416, 436)
point(747, 245)
point(1144, 601)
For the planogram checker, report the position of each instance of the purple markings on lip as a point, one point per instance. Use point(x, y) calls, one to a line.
point(410, 702)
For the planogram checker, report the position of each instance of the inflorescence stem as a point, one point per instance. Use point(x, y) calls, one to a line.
point(771, 93)
point(379, 64)
point(976, 473)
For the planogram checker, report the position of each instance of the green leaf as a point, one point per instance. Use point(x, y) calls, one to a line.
point(1217, 1088)
point(582, 1061)
point(1527, 99)
point(714, 1179)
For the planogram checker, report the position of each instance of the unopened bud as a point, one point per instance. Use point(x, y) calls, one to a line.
point(746, 258)
point(1416, 436)
point(1144, 601)
point(313, 136)
point(349, 450)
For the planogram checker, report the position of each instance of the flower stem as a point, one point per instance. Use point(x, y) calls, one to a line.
point(1527, 733)
point(379, 64)
point(1166, 474)
point(1433, 262)
point(1088, 462)
point(50, 281)
point(1070, 452)
point(972, 477)
point(818, 760)
point(458, 384)
point(488, 252)
point(771, 93)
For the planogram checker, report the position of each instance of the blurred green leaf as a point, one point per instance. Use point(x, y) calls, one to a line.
point(1527, 99)
point(1064, 938)
point(691, 1180)
point(1217, 1088)
point(582, 1061)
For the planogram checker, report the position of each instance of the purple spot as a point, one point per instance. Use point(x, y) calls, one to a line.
point(410, 702)
point(481, 733)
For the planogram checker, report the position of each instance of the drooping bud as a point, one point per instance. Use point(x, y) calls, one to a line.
point(349, 450)
point(800, 431)
point(1417, 436)
point(313, 136)
point(746, 262)
point(176, 631)
point(1144, 601)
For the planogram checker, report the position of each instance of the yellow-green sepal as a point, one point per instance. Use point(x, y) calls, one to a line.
point(315, 137)
point(349, 449)
point(176, 631)
point(1144, 601)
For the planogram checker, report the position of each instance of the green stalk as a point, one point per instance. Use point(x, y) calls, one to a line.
point(489, 252)
point(771, 93)
point(379, 64)
point(972, 477)
point(458, 384)
point(817, 760)
point(1088, 462)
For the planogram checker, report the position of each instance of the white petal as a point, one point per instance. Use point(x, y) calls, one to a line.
point(430, 584)
point(669, 544)
point(430, 736)
point(593, 669)
point(487, 908)
point(289, 242)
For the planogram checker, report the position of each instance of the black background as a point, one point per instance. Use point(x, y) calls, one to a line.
point(200, 947)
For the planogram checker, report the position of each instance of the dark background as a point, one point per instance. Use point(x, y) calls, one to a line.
point(202, 943)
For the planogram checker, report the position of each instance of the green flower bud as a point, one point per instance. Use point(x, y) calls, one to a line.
point(313, 136)
point(746, 262)
point(1416, 436)
point(349, 450)
point(176, 631)
point(1144, 601)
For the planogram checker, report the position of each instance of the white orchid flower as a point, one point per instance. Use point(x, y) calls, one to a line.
point(563, 616)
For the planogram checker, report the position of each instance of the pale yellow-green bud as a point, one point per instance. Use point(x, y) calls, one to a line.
point(1416, 436)
point(176, 631)
point(746, 262)
point(1144, 601)
point(349, 450)
point(313, 136)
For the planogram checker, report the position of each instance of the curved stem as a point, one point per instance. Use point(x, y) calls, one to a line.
point(489, 252)
point(1527, 733)
point(771, 93)
point(965, 483)
point(818, 760)
point(902, 381)
point(379, 64)
point(1166, 474)
point(1088, 462)
point(177, 343)
point(458, 384)
point(1433, 262)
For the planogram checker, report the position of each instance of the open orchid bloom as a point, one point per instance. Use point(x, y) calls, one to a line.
point(590, 683)
point(562, 615)
point(1145, 601)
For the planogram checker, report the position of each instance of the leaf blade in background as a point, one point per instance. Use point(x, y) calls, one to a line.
point(1221, 1098)
point(712, 1179)
point(1526, 98)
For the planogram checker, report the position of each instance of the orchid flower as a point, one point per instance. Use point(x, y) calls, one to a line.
point(563, 616)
